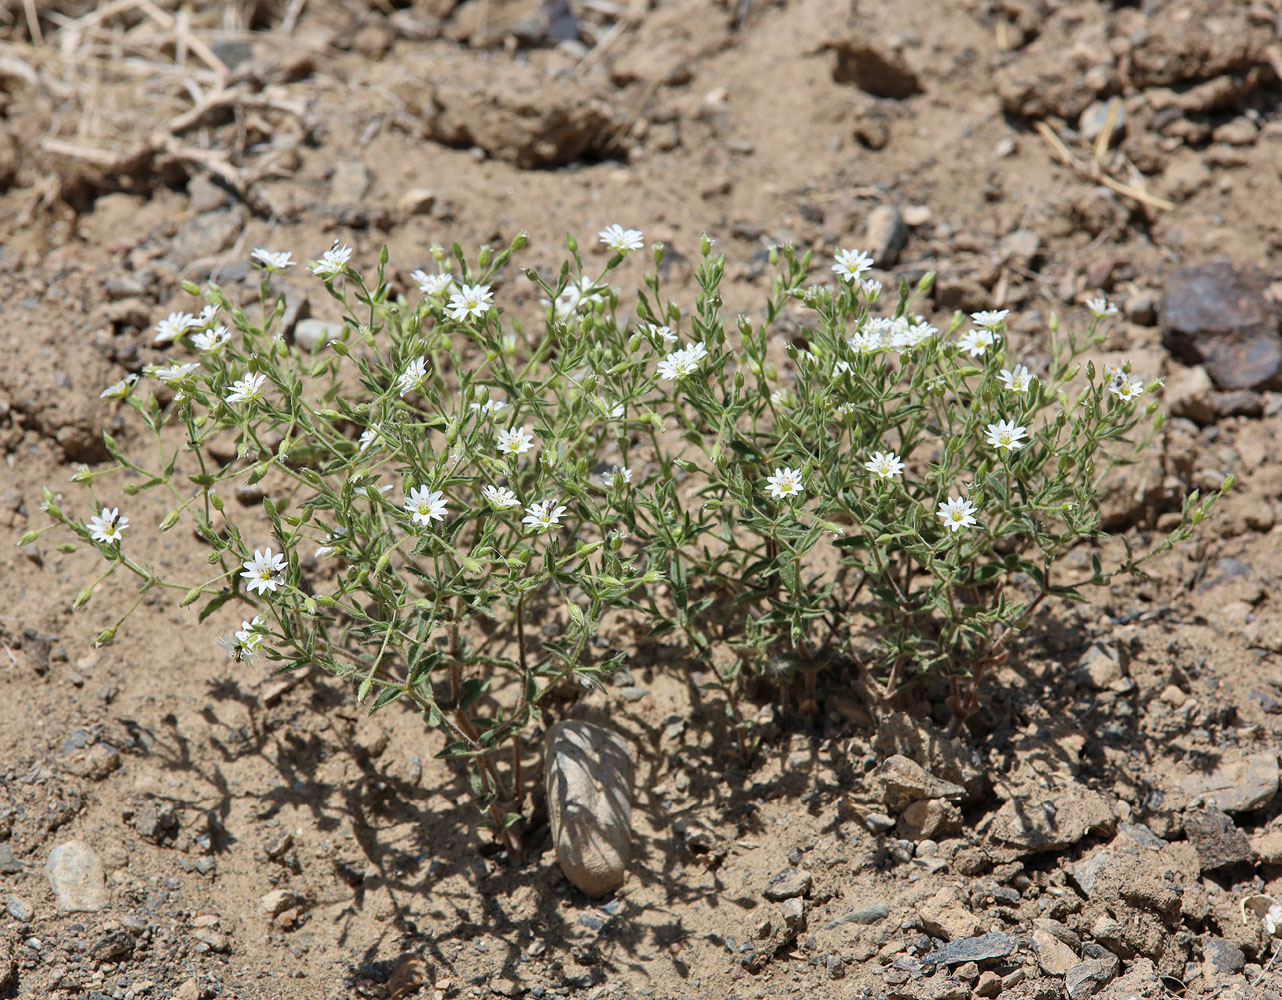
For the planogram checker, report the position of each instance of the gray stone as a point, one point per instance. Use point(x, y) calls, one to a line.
point(207, 235)
point(886, 235)
point(350, 182)
point(1189, 393)
point(77, 877)
point(1092, 121)
point(1217, 840)
point(1046, 819)
point(9, 865)
point(309, 334)
point(589, 795)
point(904, 781)
point(1220, 958)
point(974, 949)
point(919, 740)
point(870, 914)
point(1053, 955)
point(1099, 667)
point(1221, 316)
point(1238, 786)
point(19, 909)
point(1087, 978)
point(788, 884)
point(112, 946)
point(927, 819)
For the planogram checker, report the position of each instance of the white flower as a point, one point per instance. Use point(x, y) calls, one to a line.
point(107, 526)
point(236, 649)
point(1125, 386)
point(489, 407)
point(543, 515)
point(780, 397)
point(434, 285)
point(784, 484)
point(119, 390)
point(248, 389)
point(976, 342)
point(173, 326)
point(576, 294)
point(263, 572)
point(208, 341)
point(956, 513)
point(514, 441)
point(884, 464)
point(414, 376)
point(870, 288)
point(620, 240)
point(273, 260)
point(368, 437)
point(500, 496)
point(666, 332)
point(174, 373)
point(249, 636)
point(1272, 919)
point(850, 265)
point(1018, 380)
point(470, 301)
point(1005, 435)
point(1101, 308)
point(615, 475)
point(330, 546)
point(364, 491)
point(332, 262)
point(864, 342)
point(424, 506)
point(990, 320)
point(208, 316)
point(682, 363)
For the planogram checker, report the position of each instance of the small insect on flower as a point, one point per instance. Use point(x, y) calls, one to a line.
point(248, 389)
point(620, 240)
point(332, 262)
point(424, 506)
point(884, 464)
point(470, 302)
point(784, 484)
point(544, 515)
point(209, 341)
point(1101, 308)
point(272, 261)
point(616, 476)
point(433, 285)
point(975, 342)
point(499, 496)
point(850, 265)
point(990, 320)
point(514, 441)
point(119, 390)
point(175, 373)
point(236, 649)
point(264, 572)
point(1018, 380)
point(174, 326)
point(1005, 435)
point(107, 526)
point(1125, 386)
point(414, 376)
point(957, 513)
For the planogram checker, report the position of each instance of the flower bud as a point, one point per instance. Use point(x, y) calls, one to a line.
point(520, 240)
point(483, 258)
point(28, 537)
point(739, 380)
point(571, 243)
point(81, 600)
point(705, 244)
point(634, 343)
point(652, 576)
point(509, 344)
point(105, 636)
point(191, 597)
point(325, 601)
point(657, 251)
point(170, 520)
point(67, 547)
point(363, 691)
point(340, 347)
point(191, 288)
point(216, 501)
point(772, 373)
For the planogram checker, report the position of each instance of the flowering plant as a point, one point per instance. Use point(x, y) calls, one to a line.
point(454, 497)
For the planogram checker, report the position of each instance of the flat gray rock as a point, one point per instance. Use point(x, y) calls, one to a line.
point(973, 949)
point(1238, 786)
point(77, 877)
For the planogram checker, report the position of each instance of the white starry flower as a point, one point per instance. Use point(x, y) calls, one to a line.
point(432, 285)
point(107, 526)
point(1125, 386)
point(499, 496)
point(489, 407)
point(248, 389)
point(1101, 308)
point(620, 240)
point(616, 476)
point(173, 326)
point(780, 397)
point(990, 320)
point(850, 265)
point(1018, 380)
point(119, 390)
point(236, 649)
point(544, 515)
point(330, 545)
point(425, 506)
point(884, 464)
point(514, 441)
point(1005, 435)
point(870, 289)
point(414, 376)
point(957, 514)
point(249, 635)
point(470, 302)
point(864, 342)
point(364, 491)
point(976, 342)
point(784, 484)
point(264, 572)
point(272, 261)
point(207, 318)
point(332, 262)
point(580, 294)
point(174, 373)
point(209, 341)
point(665, 332)
point(368, 437)
point(682, 363)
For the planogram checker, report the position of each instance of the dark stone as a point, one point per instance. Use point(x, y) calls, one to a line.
point(109, 947)
point(1088, 978)
point(1217, 840)
point(788, 884)
point(1221, 957)
point(1221, 317)
point(973, 949)
point(9, 865)
point(871, 914)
